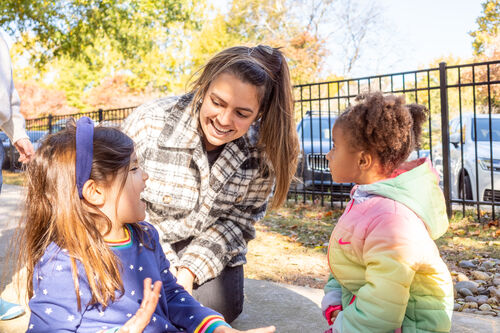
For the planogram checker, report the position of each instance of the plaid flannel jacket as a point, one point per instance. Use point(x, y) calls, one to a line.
point(217, 207)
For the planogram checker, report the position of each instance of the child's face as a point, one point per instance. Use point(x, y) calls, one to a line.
point(130, 208)
point(343, 159)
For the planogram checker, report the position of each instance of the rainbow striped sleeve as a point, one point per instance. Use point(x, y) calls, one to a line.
point(210, 323)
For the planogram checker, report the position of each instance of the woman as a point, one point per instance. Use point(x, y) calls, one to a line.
point(214, 157)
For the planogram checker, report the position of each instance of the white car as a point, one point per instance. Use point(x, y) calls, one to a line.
point(472, 160)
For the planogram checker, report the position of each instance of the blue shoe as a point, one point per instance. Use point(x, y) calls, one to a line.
point(10, 310)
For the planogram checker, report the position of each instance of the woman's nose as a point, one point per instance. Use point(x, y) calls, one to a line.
point(224, 117)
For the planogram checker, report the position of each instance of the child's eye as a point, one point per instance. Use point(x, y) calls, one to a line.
point(215, 103)
point(134, 169)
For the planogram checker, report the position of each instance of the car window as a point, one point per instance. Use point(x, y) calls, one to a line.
point(483, 129)
point(321, 128)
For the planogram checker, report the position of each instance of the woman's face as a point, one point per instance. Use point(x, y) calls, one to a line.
point(229, 107)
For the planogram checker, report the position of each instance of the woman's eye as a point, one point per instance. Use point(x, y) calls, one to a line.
point(215, 103)
point(242, 115)
point(134, 169)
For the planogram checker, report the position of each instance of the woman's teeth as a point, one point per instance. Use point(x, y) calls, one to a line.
point(220, 130)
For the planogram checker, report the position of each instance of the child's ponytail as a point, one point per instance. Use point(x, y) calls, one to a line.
point(419, 114)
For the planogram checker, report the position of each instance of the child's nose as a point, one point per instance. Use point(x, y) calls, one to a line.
point(145, 175)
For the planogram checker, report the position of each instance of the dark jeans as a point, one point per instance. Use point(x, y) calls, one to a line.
point(224, 293)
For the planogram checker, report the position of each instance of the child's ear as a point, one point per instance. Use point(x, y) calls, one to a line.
point(93, 193)
point(365, 160)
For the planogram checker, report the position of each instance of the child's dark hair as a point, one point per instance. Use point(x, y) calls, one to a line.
point(55, 213)
point(385, 126)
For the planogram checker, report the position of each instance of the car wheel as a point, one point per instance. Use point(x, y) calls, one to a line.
point(465, 186)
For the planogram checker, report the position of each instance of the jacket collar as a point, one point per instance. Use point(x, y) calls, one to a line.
point(181, 126)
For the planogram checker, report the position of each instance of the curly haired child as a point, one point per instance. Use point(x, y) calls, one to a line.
point(386, 271)
point(87, 249)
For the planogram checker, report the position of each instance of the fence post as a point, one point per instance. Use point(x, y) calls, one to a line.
point(100, 115)
point(445, 139)
point(50, 124)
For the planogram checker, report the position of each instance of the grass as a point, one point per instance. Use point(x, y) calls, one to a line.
point(12, 178)
point(292, 241)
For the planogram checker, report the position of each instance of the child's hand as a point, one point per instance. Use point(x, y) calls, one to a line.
point(225, 329)
point(141, 319)
point(334, 315)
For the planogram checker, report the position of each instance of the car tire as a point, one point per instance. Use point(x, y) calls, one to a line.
point(465, 188)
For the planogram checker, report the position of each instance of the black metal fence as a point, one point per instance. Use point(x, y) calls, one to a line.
point(465, 150)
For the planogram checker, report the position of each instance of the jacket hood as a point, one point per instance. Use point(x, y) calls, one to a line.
point(416, 185)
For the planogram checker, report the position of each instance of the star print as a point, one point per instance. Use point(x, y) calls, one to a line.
point(31, 326)
point(183, 299)
point(71, 318)
point(146, 228)
point(48, 311)
point(59, 268)
point(140, 269)
point(41, 259)
point(191, 317)
point(140, 244)
point(165, 271)
point(64, 250)
point(154, 318)
point(104, 327)
point(132, 292)
point(129, 315)
point(81, 294)
point(131, 266)
point(159, 296)
point(45, 292)
point(166, 325)
point(40, 277)
point(176, 291)
point(101, 313)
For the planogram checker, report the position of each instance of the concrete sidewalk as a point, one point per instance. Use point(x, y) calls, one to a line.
point(292, 309)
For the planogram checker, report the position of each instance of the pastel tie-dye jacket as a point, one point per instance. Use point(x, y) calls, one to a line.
point(382, 252)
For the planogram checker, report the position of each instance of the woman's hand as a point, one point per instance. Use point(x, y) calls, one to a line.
point(141, 319)
point(186, 279)
point(225, 329)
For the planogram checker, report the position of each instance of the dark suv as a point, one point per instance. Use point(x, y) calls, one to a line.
point(315, 139)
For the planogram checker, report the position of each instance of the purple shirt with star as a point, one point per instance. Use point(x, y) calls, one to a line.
point(54, 306)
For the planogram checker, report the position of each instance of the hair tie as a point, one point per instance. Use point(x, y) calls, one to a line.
point(84, 151)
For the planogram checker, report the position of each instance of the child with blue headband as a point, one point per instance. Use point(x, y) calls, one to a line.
point(90, 258)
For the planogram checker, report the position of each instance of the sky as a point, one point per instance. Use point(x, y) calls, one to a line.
point(420, 31)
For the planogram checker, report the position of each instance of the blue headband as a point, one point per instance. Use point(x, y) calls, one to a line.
point(84, 151)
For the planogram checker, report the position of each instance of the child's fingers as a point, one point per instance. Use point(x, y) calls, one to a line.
point(334, 315)
point(269, 329)
point(142, 317)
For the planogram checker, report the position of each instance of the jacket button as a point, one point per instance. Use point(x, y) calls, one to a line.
point(167, 199)
point(239, 198)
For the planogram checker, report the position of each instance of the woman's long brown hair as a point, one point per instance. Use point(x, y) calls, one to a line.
point(55, 213)
point(267, 69)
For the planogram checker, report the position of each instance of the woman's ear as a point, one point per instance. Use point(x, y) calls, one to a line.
point(93, 193)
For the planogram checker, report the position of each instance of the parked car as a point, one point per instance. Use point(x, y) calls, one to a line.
point(11, 153)
point(314, 131)
point(471, 176)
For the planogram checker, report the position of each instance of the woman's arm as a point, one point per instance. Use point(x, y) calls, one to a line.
point(208, 254)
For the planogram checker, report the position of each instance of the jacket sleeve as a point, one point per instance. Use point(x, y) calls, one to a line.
point(11, 120)
point(184, 311)
point(208, 254)
point(333, 294)
point(54, 304)
point(389, 255)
